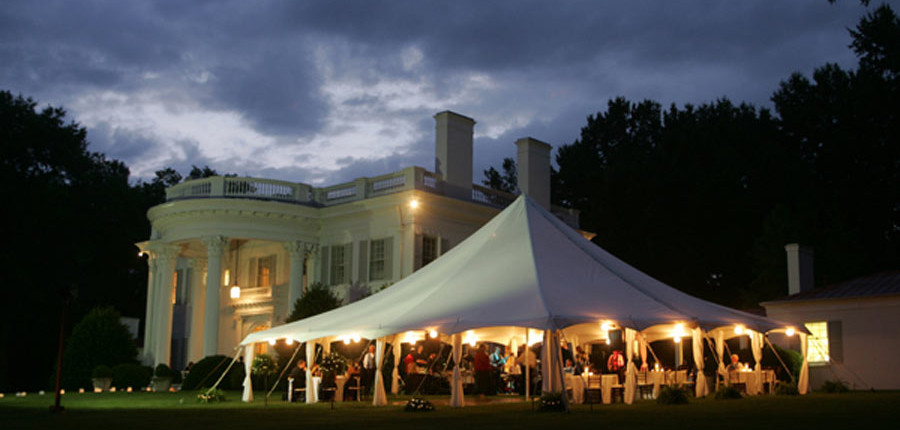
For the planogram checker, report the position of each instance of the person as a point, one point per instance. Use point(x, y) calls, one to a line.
point(566, 352)
point(616, 364)
point(735, 365)
point(420, 358)
point(570, 367)
point(581, 360)
point(368, 369)
point(298, 376)
point(352, 372)
point(482, 371)
point(498, 360)
point(409, 363)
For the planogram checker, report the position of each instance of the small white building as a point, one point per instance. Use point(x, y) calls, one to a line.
point(229, 255)
point(854, 325)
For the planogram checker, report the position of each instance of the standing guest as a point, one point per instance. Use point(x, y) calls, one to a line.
point(616, 364)
point(368, 368)
point(581, 360)
point(482, 371)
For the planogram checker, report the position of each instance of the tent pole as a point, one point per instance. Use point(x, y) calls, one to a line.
point(527, 366)
point(562, 375)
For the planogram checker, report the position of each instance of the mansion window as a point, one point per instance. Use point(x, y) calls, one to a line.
point(429, 249)
point(380, 259)
point(824, 343)
point(338, 265)
point(265, 271)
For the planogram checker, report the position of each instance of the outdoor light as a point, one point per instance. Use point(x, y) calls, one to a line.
point(81, 391)
point(433, 334)
point(288, 341)
point(738, 329)
point(128, 390)
point(471, 339)
point(605, 326)
point(235, 292)
point(61, 391)
point(272, 342)
point(413, 204)
point(789, 331)
point(227, 277)
point(346, 341)
point(608, 342)
point(410, 337)
point(356, 338)
point(677, 339)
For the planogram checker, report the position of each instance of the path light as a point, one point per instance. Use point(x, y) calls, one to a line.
point(738, 329)
point(789, 331)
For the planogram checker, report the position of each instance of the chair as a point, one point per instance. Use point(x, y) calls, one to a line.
point(295, 392)
point(734, 380)
point(644, 386)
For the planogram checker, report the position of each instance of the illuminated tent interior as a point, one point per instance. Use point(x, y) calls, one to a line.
point(527, 269)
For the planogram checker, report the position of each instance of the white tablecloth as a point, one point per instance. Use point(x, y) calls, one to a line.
point(606, 384)
point(576, 384)
point(314, 393)
point(339, 382)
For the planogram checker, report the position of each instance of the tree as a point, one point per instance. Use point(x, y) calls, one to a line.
point(71, 218)
point(317, 299)
point(99, 338)
point(507, 181)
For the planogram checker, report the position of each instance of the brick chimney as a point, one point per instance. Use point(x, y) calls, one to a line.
point(533, 169)
point(453, 153)
point(800, 268)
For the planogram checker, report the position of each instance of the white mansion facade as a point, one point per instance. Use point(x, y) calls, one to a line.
point(230, 255)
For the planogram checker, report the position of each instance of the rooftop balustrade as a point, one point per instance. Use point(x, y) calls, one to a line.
point(362, 188)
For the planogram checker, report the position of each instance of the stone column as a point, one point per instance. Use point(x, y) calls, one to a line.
point(214, 247)
point(198, 304)
point(296, 254)
point(149, 328)
point(166, 255)
point(312, 263)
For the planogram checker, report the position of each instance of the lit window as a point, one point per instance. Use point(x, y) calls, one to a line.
point(429, 249)
point(376, 260)
point(817, 342)
point(265, 271)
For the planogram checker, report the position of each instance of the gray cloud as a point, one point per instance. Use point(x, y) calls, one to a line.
point(546, 64)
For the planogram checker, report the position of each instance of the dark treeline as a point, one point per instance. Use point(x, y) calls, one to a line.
point(705, 197)
point(70, 221)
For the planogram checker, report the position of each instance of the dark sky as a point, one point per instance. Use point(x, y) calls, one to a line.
point(326, 91)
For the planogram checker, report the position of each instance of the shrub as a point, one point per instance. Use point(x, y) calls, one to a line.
point(552, 402)
point(99, 338)
point(672, 395)
point(727, 392)
point(101, 371)
point(317, 299)
point(206, 371)
point(131, 375)
point(262, 368)
point(786, 389)
point(163, 371)
point(836, 386)
point(210, 395)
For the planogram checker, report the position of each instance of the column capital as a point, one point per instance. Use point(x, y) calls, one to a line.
point(295, 248)
point(197, 263)
point(311, 248)
point(214, 244)
point(162, 253)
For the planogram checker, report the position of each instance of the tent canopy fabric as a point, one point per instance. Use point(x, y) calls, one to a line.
point(523, 269)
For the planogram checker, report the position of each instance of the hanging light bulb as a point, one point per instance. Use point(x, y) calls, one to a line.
point(738, 329)
point(288, 341)
point(789, 331)
point(272, 342)
point(433, 334)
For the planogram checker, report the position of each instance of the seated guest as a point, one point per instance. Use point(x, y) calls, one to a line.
point(352, 381)
point(735, 365)
point(570, 367)
point(298, 376)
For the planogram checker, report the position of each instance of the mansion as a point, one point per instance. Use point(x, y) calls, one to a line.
point(230, 255)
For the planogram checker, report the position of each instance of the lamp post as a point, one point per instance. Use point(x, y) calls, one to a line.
point(66, 295)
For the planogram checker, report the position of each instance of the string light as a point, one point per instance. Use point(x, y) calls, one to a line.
point(738, 329)
point(789, 331)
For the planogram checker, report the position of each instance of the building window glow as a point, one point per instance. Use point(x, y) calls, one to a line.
point(817, 342)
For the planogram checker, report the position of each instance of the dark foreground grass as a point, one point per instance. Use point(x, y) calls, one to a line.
point(134, 411)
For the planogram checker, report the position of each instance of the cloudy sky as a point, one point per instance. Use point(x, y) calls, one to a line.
point(326, 91)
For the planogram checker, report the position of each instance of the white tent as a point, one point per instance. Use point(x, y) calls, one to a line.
point(525, 269)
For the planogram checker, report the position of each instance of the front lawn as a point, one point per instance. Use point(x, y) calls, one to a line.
point(134, 411)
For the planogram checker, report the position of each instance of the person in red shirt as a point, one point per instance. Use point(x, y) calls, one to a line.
point(482, 365)
point(616, 364)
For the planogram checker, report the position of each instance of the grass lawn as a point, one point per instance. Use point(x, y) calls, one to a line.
point(133, 411)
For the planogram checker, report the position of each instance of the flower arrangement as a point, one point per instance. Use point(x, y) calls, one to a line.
point(418, 404)
point(209, 395)
point(334, 363)
point(551, 402)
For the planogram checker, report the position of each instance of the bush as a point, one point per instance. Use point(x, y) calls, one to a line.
point(836, 386)
point(131, 375)
point(672, 395)
point(101, 371)
point(318, 299)
point(206, 371)
point(262, 369)
point(163, 371)
point(786, 389)
point(727, 392)
point(208, 396)
point(552, 402)
point(99, 338)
